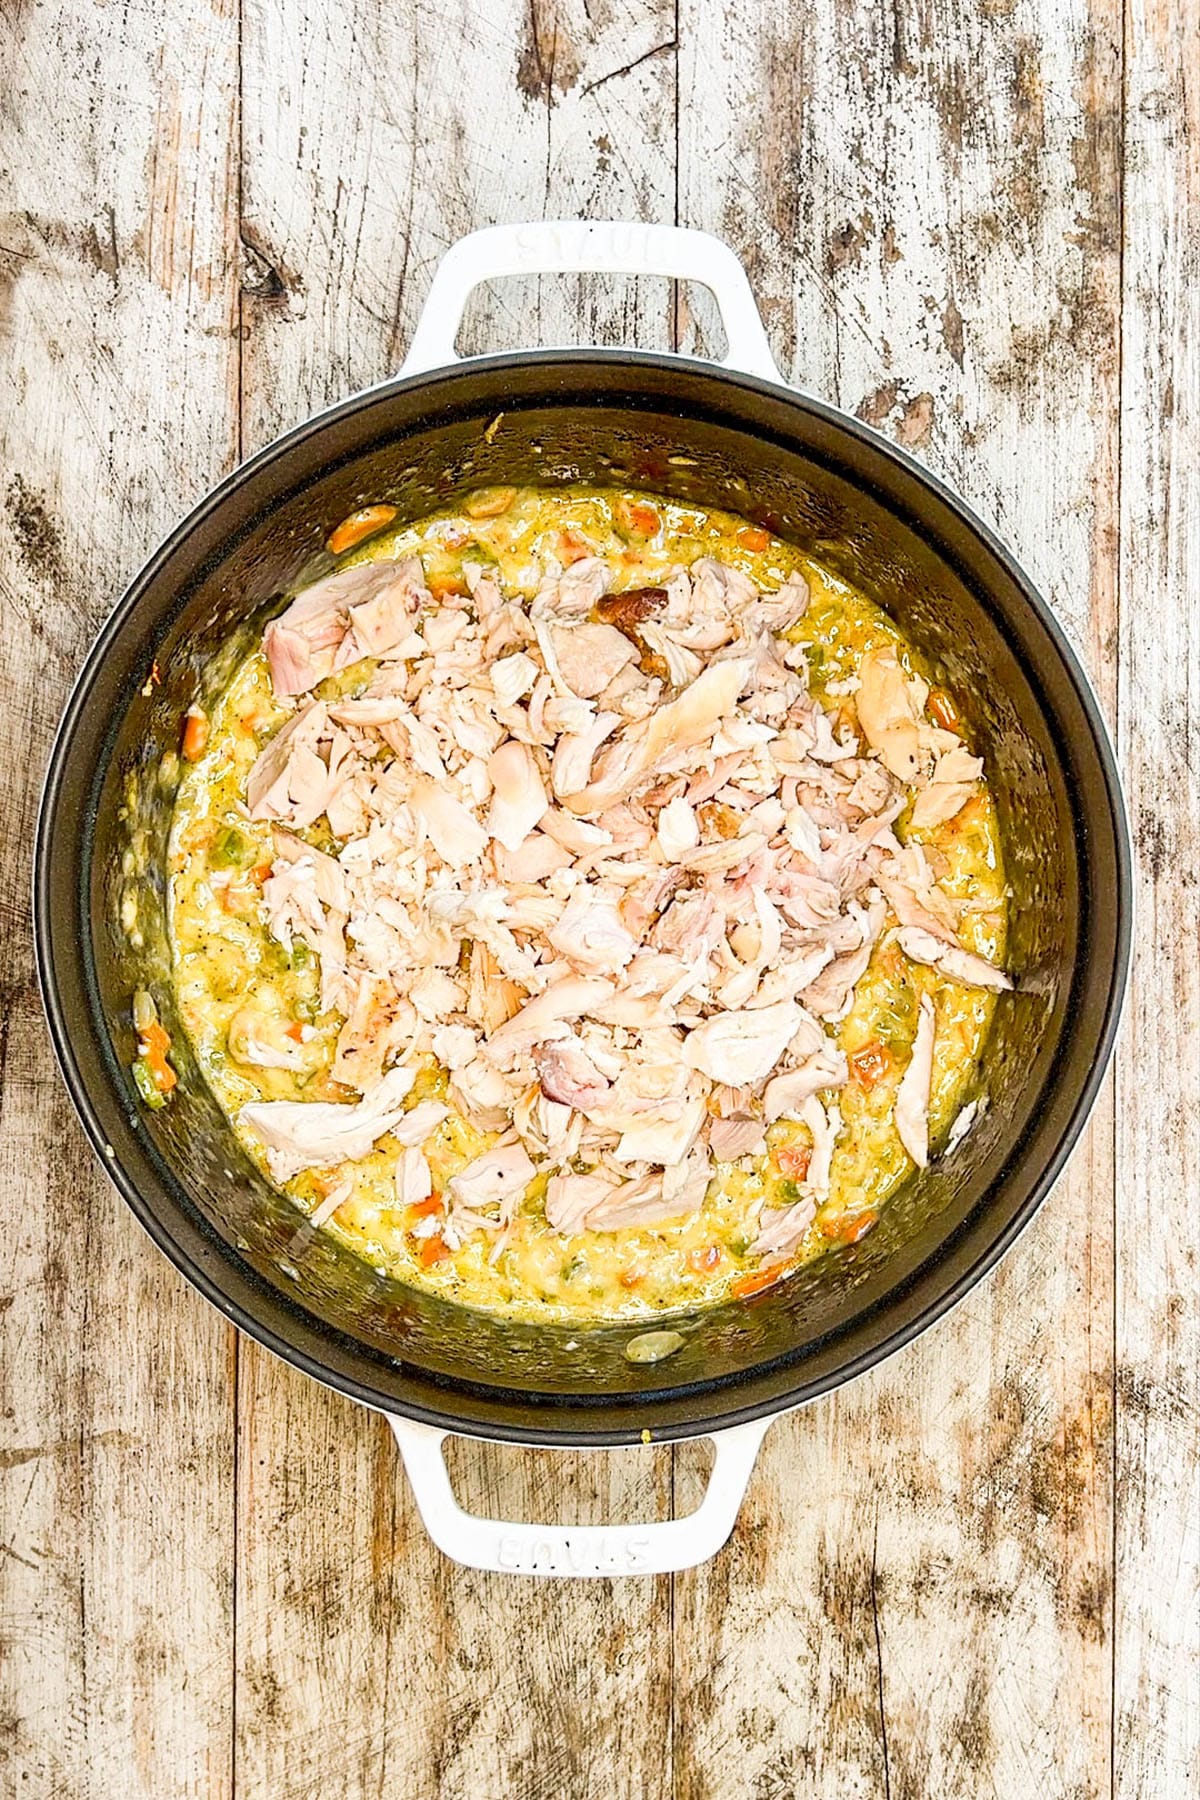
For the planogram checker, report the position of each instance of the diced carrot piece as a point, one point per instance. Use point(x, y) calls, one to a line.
point(641, 517)
point(433, 1250)
point(757, 1280)
point(753, 537)
point(793, 1160)
point(154, 1043)
point(421, 1209)
point(260, 871)
point(357, 527)
point(849, 1228)
point(195, 733)
point(942, 709)
point(705, 1258)
point(295, 1031)
point(572, 546)
point(870, 1064)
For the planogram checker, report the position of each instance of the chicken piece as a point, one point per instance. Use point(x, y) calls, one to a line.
point(664, 1135)
point(325, 872)
point(538, 858)
point(959, 964)
point(572, 594)
point(738, 1135)
point(635, 1203)
point(890, 707)
point(589, 933)
point(677, 829)
point(313, 637)
point(647, 896)
point(481, 1094)
point(420, 1123)
point(776, 612)
point(780, 1229)
point(681, 725)
point(382, 620)
point(453, 831)
point(512, 677)
point(632, 607)
point(316, 1134)
point(289, 767)
point(363, 1042)
point(569, 998)
point(742, 1047)
point(717, 589)
point(686, 1183)
point(951, 786)
point(913, 903)
point(785, 1094)
point(518, 796)
point(912, 1096)
point(414, 1181)
point(568, 1074)
point(825, 1124)
point(435, 994)
point(575, 752)
point(491, 998)
point(962, 1123)
point(873, 789)
point(831, 994)
point(570, 1198)
point(590, 656)
point(498, 1177)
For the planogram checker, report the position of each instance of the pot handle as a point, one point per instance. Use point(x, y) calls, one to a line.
point(659, 1548)
point(611, 247)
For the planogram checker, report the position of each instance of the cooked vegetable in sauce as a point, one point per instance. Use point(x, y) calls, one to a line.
point(582, 905)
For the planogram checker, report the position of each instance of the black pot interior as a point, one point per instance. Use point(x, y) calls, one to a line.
point(677, 428)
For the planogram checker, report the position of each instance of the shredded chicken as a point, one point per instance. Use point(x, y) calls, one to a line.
point(912, 1096)
point(316, 1134)
point(604, 857)
point(952, 959)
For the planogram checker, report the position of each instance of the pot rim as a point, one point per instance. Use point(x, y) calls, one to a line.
point(717, 1406)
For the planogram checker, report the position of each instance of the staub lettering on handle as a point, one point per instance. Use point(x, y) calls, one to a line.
point(534, 1553)
point(606, 243)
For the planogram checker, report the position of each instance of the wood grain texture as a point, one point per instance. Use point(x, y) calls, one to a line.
point(977, 1571)
point(1157, 1546)
point(117, 407)
point(928, 202)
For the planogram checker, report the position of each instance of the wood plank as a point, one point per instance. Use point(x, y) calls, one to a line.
point(1157, 1648)
point(345, 1611)
point(918, 1599)
point(116, 1417)
point(369, 1664)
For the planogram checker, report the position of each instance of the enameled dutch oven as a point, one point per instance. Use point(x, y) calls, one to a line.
point(733, 436)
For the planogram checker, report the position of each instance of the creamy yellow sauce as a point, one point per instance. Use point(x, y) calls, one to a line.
point(231, 976)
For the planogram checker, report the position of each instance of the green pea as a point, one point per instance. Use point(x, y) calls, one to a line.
point(231, 850)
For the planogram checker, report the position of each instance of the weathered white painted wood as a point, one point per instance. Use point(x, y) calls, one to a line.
point(1157, 1544)
point(117, 407)
point(928, 204)
point(462, 117)
point(919, 1598)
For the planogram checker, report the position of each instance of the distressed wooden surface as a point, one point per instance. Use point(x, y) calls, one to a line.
point(976, 1571)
